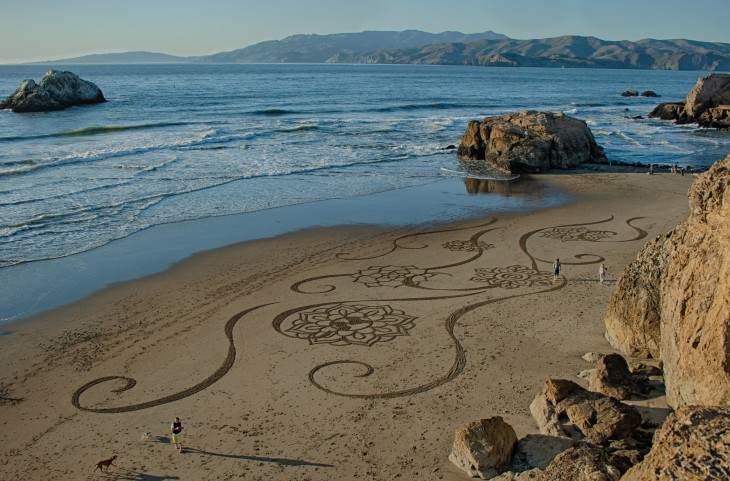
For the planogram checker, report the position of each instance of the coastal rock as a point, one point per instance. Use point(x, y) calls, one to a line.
point(630, 93)
point(583, 463)
point(538, 451)
point(649, 93)
point(592, 357)
point(529, 142)
point(692, 445)
point(612, 377)
point(633, 315)
point(532, 475)
point(683, 280)
point(707, 104)
point(484, 448)
point(57, 90)
point(564, 409)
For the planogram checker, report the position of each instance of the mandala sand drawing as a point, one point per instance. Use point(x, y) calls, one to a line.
point(346, 326)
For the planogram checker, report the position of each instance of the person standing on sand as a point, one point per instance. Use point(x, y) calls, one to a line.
point(176, 427)
point(556, 269)
point(602, 269)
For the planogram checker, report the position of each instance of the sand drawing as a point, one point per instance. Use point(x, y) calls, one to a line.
point(364, 320)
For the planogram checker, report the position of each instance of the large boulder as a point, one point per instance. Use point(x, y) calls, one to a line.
point(583, 463)
point(484, 448)
point(692, 445)
point(57, 90)
point(612, 377)
point(565, 409)
point(529, 142)
point(538, 451)
point(707, 104)
point(689, 281)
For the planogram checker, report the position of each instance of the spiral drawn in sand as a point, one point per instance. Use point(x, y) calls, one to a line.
point(456, 368)
point(397, 276)
point(130, 383)
point(396, 243)
point(578, 232)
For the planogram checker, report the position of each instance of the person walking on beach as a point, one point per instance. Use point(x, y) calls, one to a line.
point(556, 269)
point(602, 269)
point(176, 427)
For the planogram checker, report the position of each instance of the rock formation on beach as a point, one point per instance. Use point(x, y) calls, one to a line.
point(693, 444)
point(57, 90)
point(673, 301)
point(529, 142)
point(707, 104)
point(672, 304)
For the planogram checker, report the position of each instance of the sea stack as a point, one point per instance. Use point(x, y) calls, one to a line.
point(707, 104)
point(530, 142)
point(57, 90)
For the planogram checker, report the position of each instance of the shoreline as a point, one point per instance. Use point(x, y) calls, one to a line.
point(465, 322)
point(31, 288)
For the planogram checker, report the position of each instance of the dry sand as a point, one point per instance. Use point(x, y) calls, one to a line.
point(452, 323)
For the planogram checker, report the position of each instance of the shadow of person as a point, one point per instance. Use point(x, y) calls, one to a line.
point(131, 475)
point(263, 459)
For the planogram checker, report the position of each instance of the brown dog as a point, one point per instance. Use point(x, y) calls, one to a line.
point(106, 462)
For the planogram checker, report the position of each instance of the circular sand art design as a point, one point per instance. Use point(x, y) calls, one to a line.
point(466, 246)
point(392, 276)
point(512, 277)
point(346, 324)
point(568, 234)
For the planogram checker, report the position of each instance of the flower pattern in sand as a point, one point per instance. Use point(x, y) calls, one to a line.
point(512, 277)
point(345, 324)
point(467, 246)
point(567, 234)
point(392, 276)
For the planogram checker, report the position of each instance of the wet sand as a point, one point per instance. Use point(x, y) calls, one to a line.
point(350, 352)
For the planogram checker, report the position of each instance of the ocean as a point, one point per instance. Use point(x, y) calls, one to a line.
point(180, 143)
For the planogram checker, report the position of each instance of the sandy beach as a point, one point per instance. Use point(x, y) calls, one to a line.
point(334, 353)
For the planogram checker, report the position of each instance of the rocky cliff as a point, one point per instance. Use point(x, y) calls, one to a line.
point(707, 104)
point(530, 141)
point(57, 90)
point(683, 281)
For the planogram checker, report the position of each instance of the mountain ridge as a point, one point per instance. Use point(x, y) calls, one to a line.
point(455, 48)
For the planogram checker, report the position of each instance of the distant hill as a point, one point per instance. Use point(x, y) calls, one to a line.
point(122, 58)
point(330, 48)
point(567, 51)
point(456, 48)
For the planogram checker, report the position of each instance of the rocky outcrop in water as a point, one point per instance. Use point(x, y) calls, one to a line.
point(57, 90)
point(529, 142)
point(683, 279)
point(707, 104)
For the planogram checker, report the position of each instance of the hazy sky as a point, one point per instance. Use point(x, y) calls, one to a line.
point(53, 29)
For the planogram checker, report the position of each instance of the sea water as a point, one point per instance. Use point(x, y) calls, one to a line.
point(177, 143)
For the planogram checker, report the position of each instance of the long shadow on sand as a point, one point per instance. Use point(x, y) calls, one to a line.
point(129, 475)
point(280, 461)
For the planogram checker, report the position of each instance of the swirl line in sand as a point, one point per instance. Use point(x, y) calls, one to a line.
point(130, 383)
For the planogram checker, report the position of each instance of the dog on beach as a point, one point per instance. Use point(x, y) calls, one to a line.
point(105, 462)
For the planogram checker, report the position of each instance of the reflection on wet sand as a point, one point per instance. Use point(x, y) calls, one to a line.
point(524, 186)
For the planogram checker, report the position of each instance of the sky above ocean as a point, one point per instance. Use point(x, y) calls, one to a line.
point(80, 27)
